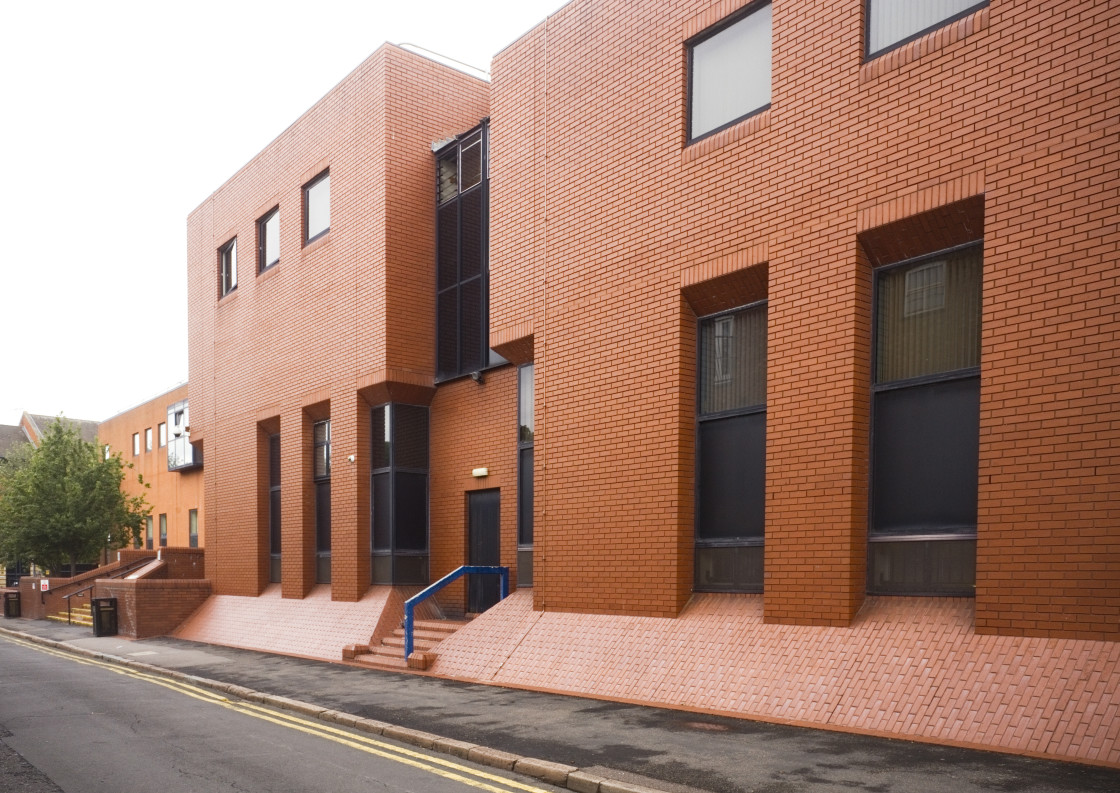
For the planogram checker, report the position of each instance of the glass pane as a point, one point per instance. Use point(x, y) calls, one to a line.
point(382, 512)
point(525, 419)
point(323, 517)
point(471, 260)
point(411, 439)
point(270, 240)
point(274, 461)
point(319, 207)
point(525, 497)
point(274, 534)
point(322, 433)
point(729, 569)
point(893, 21)
point(232, 256)
point(733, 361)
point(447, 175)
point(411, 512)
point(731, 73)
point(379, 427)
point(922, 567)
point(731, 477)
point(471, 160)
point(927, 317)
point(162, 434)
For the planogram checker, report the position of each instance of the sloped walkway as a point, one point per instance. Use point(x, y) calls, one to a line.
point(314, 627)
point(907, 667)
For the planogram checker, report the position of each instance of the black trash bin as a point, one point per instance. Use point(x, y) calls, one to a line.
point(104, 616)
point(11, 604)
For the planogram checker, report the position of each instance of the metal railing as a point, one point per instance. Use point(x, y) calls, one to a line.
point(120, 572)
point(411, 603)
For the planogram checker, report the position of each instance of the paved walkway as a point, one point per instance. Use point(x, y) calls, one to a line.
point(631, 747)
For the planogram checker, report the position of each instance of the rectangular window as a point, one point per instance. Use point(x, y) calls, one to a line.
point(526, 431)
point(925, 425)
point(148, 532)
point(399, 495)
point(321, 471)
point(317, 207)
point(227, 267)
point(462, 256)
point(729, 71)
point(181, 455)
point(162, 434)
point(274, 533)
point(148, 439)
point(135, 444)
point(192, 530)
point(106, 450)
point(731, 451)
point(891, 23)
point(163, 531)
point(268, 240)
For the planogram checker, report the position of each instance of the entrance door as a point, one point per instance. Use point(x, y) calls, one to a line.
point(483, 590)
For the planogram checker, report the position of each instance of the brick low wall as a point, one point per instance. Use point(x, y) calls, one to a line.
point(153, 607)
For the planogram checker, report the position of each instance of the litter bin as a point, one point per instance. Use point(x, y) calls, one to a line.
point(11, 604)
point(104, 616)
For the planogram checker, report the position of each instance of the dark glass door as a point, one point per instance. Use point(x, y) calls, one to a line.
point(483, 590)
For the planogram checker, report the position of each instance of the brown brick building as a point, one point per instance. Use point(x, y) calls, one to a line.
point(697, 308)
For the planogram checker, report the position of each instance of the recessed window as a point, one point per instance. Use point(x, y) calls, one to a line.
point(526, 426)
point(162, 434)
point(148, 532)
point(227, 267)
point(106, 451)
point(135, 444)
point(891, 23)
point(163, 531)
point(192, 535)
point(321, 471)
point(317, 206)
point(148, 439)
point(268, 239)
point(729, 71)
point(399, 495)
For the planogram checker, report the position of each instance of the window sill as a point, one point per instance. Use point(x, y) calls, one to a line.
point(313, 245)
point(932, 42)
point(718, 140)
point(228, 297)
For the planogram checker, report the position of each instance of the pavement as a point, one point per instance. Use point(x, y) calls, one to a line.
point(588, 746)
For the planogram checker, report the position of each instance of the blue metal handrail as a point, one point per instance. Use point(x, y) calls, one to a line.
point(467, 569)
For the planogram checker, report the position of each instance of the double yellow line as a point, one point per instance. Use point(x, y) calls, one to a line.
point(448, 769)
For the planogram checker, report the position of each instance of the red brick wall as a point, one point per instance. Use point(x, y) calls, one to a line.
point(171, 493)
point(337, 325)
point(592, 176)
point(153, 607)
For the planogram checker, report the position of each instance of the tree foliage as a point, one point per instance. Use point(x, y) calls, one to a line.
point(63, 503)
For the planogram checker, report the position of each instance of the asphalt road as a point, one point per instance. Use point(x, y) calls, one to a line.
point(83, 726)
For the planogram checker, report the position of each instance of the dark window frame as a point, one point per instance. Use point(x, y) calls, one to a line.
point(525, 543)
point(392, 470)
point(945, 534)
point(148, 532)
point(162, 434)
point(136, 444)
point(702, 418)
point(227, 268)
point(275, 527)
point(690, 47)
point(322, 485)
point(163, 530)
point(192, 527)
point(148, 439)
point(262, 234)
point(308, 238)
point(870, 55)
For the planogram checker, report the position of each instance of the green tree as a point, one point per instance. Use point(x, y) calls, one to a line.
point(63, 504)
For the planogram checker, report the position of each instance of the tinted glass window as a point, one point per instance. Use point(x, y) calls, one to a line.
point(411, 511)
point(733, 361)
point(525, 418)
point(411, 439)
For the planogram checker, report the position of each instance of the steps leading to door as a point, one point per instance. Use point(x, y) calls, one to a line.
point(389, 653)
point(79, 615)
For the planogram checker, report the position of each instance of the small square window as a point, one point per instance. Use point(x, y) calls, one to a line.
point(729, 72)
point(317, 206)
point(135, 444)
point(227, 268)
point(268, 239)
point(148, 439)
point(891, 23)
point(162, 434)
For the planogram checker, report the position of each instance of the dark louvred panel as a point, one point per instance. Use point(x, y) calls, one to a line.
point(471, 326)
point(410, 440)
point(471, 261)
point(411, 511)
point(447, 253)
point(448, 353)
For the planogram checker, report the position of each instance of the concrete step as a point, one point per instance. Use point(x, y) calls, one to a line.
point(75, 619)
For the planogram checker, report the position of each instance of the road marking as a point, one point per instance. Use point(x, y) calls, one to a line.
point(435, 765)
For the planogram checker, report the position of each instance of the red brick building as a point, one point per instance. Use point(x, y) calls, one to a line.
point(798, 302)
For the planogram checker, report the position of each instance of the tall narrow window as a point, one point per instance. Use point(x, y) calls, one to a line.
point(526, 431)
point(321, 471)
point(274, 508)
point(148, 532)
point(163, 531)
point(227, 267)
point(399, 495)
point(729, 71)
point(317, 207)
point(892, 23)
point(731, 451)
point(148, 439)
point(268, 240)
point(162, 434)
point(135, 444)
point(192, 528)
point(462, 256)
point(925, 425)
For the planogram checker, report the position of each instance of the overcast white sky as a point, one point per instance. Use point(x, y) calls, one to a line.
point(116, 120)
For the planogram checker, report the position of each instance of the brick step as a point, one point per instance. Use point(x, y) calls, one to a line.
point(418, 634)
point(419, 642)
point(378, 661)
point(445, 626)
